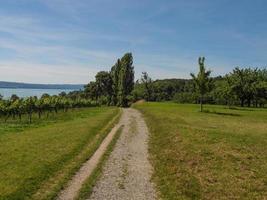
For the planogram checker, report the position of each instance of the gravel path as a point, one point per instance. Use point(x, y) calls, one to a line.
point(127, 172)
point(75, 184)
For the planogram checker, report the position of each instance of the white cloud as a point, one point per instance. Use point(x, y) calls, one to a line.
point(74, 51)
point(42, 73)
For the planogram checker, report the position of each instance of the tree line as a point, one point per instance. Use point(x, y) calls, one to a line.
point(110, 88)
point(113, 87)
point(242, 86)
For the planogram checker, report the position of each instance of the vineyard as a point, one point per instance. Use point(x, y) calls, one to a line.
point(16, 107)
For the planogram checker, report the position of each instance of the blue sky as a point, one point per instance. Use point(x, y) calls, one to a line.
point(68, 41)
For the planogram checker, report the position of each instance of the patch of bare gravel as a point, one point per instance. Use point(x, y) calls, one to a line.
point(127, 172)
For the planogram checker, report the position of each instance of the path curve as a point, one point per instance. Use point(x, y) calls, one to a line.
point(127, 172)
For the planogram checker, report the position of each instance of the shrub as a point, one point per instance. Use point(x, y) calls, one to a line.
point(184, 97)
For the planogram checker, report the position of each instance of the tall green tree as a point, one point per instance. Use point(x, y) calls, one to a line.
point(147, 83)
point(243, 84)
point(126, 79)
point(92, 91)
point(202, 81)
point(104, 84)
point(115, 74)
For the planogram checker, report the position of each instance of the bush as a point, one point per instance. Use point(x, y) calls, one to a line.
point(184, 97)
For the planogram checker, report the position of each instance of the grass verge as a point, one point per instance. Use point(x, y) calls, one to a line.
point(37, 162)
point(53, 186)
point(87, 187)
point(219, 154)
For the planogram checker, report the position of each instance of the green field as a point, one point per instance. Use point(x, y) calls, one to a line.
point(38, 159)
point(220, 154)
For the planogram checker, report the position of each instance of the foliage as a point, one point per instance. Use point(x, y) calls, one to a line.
point(126, 80)
point(147, 83)
point(202, 81)
point(162, 90)
point(248, 84)
point(184, 97)
point(115, 73)
point(114, 87)
point(16, 107)
point(245, 87)
point(104, 85)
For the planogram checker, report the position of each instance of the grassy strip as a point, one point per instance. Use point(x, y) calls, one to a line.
point(52, 187)
point(15, 125)
point(35, 162)
point(220, 154)
point(87, 187)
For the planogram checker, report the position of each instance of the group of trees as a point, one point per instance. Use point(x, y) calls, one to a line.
point(243, 87)
point(240, 87)
point(159, 90)
point(110, 88)
point(116, 87)
point(16, 107)
point(113, 87)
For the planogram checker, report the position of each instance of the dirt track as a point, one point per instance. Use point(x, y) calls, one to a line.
point(127, 172)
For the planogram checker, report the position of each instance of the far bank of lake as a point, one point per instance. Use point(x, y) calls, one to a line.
point(23, 92)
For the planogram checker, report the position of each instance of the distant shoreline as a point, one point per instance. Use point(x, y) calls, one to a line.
point(17, 85)
point(18, 88)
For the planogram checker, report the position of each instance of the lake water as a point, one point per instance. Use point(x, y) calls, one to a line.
point(7, 92)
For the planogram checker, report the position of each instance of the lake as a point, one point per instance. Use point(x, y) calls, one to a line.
point(22, 92)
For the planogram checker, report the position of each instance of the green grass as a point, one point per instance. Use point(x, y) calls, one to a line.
point(38, 159)
point(218, 154)
point(15, 125)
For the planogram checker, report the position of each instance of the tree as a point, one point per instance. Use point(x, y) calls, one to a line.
point(202, 81)
point(126, 79)
point(14, 97)
point(243, 84)
point(261, 93)
point(260, 96)
point(147, 82)
point(62, 94)
point(222, 93)
point(115, 73)
point(104, 84)
point(45, 95)
point(92, 91)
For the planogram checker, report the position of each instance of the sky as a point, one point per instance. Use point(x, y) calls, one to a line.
point(69, 41)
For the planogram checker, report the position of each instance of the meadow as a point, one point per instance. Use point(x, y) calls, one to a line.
point(217, 154)
point(38, 159)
